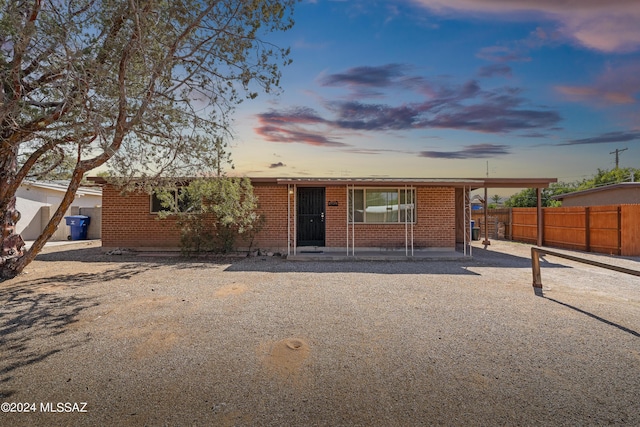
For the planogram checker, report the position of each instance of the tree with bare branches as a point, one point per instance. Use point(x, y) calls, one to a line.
point(145, 85)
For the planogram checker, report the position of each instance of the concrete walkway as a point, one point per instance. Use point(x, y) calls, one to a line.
point(50, 244)
point(377, 255)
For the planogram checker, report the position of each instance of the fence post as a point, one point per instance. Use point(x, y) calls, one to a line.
point(587, 229)
point(540, 231)
point(535, 268)
point(511, 224)
point(619, 209)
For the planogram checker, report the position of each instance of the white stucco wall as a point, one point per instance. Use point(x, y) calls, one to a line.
point(30, 201)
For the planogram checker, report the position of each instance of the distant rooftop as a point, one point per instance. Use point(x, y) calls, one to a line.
point(62, 185)
point(621, 185)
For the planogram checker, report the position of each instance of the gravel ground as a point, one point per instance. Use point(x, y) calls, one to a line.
point(264, 341)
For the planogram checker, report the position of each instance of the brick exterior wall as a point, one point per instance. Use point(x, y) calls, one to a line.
point(128, 223)
point(434, 226)
point(272, 205)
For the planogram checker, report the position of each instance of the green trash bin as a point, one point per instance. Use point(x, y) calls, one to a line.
point(475, 233)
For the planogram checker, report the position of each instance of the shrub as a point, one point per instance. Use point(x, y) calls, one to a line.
point(213, 213)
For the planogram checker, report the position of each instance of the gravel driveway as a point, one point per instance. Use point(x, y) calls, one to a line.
point(134, 340)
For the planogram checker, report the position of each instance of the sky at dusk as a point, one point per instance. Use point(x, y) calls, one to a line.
point(445, 88)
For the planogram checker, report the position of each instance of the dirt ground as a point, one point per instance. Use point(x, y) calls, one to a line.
point(93, 339)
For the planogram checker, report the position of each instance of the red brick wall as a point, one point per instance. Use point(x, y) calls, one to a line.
point(127, 222)
point(272, 204)
point(434, 226)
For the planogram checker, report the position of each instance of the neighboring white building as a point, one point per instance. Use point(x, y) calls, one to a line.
point(37, 201)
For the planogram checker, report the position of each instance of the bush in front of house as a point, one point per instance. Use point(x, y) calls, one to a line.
point(213, 214)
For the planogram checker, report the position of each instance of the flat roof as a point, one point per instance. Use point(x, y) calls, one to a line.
point(61, 186)
point(474, 183)
point(380, 181)
point(433, 182)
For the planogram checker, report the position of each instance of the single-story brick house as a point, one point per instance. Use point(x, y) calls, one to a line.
point(328, 214)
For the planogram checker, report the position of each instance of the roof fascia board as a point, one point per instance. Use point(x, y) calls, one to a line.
point(474, 183)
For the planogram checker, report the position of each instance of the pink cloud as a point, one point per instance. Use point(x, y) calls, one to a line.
point(465, 106)
point(583, 92)
point(620, 85)
point(609, 26)
point(289, 127)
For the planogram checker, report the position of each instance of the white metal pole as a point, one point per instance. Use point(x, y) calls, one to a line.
point(347, 186)
point(464, 220)
point(406, 225)
point(413, 208)
point(353, 223)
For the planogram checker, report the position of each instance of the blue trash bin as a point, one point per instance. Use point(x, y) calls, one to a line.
point(79, 225)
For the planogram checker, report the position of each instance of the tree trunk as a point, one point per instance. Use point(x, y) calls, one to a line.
point(52, 225)
point(11, 244)
point(13, 256)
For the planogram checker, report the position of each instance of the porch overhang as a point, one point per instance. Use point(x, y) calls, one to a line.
point(466, 184)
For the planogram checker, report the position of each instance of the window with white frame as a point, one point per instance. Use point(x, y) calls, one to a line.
point(382, 205)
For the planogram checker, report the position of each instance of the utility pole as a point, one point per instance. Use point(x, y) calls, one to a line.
point(617, 152)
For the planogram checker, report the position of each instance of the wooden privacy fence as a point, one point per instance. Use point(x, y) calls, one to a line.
point(611, 229)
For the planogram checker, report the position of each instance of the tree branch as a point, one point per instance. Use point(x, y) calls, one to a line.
point(52, 225)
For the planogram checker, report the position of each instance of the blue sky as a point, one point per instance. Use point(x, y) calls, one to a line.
point(435, 88)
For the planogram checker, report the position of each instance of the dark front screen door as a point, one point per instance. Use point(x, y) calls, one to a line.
point(310, 216)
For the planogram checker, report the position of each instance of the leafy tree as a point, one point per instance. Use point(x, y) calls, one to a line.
point(527, 197)
point(141, 84)
point(212, 213)
point(523, 199)
point(613, 176)
point(495, 201)
point(53, 165)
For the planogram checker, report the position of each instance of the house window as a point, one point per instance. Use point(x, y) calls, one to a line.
point(156, 203)
point(382, 205)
